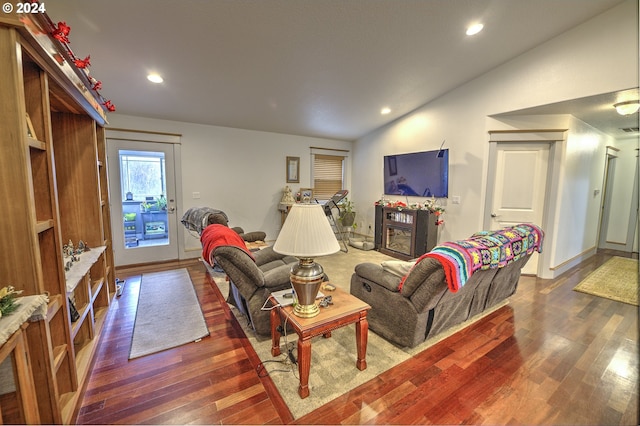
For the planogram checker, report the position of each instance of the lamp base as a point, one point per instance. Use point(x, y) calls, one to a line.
point(306, 311)
point(306, 279)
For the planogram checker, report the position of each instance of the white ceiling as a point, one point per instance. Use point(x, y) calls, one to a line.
point(320, 68)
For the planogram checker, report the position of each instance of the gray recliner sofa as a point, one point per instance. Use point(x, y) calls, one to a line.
point(424, 307)
point(251, 282)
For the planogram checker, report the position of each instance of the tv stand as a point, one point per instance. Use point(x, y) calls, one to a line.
point(405, 233)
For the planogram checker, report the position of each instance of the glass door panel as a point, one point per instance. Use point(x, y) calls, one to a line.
point(142, 184)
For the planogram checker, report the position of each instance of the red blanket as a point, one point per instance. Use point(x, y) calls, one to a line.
point(217, 235)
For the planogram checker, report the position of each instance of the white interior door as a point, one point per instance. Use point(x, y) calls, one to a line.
point(143, 201)
point(516, 199)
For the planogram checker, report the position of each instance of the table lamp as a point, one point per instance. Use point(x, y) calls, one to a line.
point(306, 234)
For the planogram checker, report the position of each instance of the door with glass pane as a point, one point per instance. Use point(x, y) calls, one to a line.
point(143, 213)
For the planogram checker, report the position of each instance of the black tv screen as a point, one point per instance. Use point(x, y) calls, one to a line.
point(419, 174)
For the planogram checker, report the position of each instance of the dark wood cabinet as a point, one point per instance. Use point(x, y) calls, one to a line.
point(405, 233)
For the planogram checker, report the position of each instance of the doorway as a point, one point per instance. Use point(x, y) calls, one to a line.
point(512, 200)
point(609, 174)
point(142, 184)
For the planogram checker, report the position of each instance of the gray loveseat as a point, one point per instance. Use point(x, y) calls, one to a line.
point(425, 307)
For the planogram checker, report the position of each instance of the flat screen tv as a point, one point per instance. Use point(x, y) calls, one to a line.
point(419, 174)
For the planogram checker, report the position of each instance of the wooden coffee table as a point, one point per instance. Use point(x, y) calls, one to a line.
point(346, 309)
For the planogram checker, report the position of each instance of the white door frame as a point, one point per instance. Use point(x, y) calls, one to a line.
point(548, 137)
point(608, 185)
point(134, 136)
point(605, 203)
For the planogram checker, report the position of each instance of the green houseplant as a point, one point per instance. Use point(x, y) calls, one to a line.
point(347, 212)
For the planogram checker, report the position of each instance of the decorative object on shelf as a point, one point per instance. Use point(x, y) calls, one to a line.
point(306, 195)
point(7, 300)
point(61, 33)
point(30, 130)
point(293, 169)
point(82, 247)
point(130, 217)
point(429, 204)
point(70, 251)
point(129, 196)
point(287, 196)
point(73, 311)
point(306, 234)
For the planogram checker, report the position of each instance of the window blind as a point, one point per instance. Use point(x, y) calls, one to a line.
point(327, 175)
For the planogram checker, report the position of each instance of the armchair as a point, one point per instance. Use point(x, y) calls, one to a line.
point(251, 282)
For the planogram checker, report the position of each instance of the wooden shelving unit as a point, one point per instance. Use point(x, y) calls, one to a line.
point(53, 179)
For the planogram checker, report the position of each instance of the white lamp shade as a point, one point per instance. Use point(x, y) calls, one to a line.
point(306, 233)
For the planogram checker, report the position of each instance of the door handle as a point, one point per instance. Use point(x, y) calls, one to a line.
point(493, 215)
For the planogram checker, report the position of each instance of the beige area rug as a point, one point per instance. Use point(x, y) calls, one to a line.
point(168, 313)
point(333, 361)
point(617, 279)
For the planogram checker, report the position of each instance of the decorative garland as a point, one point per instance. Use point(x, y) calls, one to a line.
point(61, 33)
point(429, 204)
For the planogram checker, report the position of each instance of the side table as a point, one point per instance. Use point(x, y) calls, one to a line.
point(346, 309)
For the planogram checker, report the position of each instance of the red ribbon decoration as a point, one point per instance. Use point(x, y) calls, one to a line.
point(61, 33)
point(83, 63)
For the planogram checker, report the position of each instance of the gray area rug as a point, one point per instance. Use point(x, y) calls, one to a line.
point(168, 313)
point(333, 361)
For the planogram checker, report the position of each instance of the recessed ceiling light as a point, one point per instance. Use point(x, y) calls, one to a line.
point(155, 78)
point(474, 29)
point(385, 110)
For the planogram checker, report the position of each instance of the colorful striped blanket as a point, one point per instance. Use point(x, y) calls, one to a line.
point(485, 250)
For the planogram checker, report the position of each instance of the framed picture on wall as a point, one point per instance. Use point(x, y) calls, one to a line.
point(293, 169)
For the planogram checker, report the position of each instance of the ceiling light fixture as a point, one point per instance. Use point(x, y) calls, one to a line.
point(474, 29)
point(627, 107)
point(155, 78)
point(385, 110)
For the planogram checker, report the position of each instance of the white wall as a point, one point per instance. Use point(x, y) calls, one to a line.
point(599, 56)
point(241, 172)
point(578, 207)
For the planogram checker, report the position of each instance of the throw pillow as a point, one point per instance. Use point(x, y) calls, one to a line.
point(399, 268)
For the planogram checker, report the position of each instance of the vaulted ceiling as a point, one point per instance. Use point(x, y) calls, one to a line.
point(320, 68)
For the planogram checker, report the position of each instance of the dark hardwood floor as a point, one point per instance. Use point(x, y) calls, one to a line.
point(552, 356)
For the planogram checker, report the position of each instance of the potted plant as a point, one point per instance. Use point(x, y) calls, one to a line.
point(162, 202)
point(347, 212)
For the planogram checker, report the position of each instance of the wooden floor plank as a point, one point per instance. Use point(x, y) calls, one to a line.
point(551, 356)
